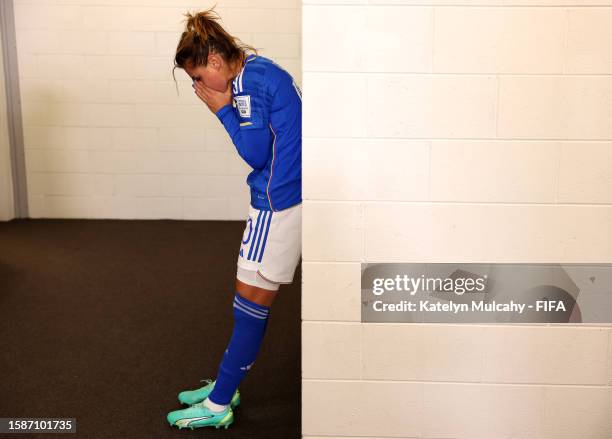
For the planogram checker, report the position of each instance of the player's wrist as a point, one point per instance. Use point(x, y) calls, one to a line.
point(223, 110)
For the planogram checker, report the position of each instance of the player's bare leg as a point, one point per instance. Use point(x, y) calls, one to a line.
point(258, 295)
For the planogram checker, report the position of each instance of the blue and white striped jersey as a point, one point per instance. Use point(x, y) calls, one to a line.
point(265, 124)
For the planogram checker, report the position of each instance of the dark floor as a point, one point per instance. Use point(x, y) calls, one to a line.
point(106, 321)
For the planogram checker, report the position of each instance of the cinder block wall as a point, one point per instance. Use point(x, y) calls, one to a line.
point(106, 134)
point(6, 184)
point(453, 131)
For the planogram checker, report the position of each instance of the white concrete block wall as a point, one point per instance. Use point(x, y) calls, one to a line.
point(106, 134)
point(453, 131)
point(6, 183)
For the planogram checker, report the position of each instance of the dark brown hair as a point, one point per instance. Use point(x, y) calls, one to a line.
point(203, 35)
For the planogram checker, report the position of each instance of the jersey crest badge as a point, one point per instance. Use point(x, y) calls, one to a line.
point(243, 103)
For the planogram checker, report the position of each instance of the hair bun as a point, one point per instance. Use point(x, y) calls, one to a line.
point(202, 23)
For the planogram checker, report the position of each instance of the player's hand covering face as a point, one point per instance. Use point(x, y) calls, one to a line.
point(215, 100)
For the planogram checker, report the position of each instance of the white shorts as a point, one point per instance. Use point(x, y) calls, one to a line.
point(272, 243)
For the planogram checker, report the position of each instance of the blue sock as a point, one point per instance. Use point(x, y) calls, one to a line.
point(250, 322)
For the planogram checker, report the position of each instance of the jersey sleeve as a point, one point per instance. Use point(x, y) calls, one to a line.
point(250, 135)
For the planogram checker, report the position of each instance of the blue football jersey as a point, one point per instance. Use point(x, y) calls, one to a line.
point(265, 124)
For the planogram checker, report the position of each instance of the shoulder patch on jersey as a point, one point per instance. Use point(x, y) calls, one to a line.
point(243, 103)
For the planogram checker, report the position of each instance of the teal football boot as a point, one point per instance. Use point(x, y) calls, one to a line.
point(198, 395)
point(198, 415)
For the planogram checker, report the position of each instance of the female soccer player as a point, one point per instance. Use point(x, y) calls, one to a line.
point(260, 106)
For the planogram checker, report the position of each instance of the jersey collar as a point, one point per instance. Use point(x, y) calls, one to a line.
point(237, 82)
